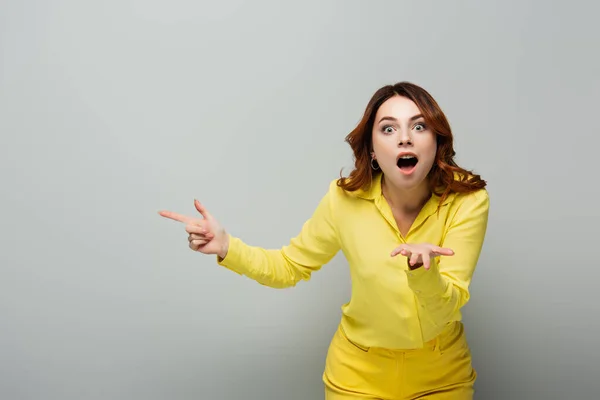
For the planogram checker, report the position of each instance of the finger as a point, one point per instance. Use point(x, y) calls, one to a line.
point(207, 237)
point(196, 244)
point(201, 209)
point(399, 250)
point(175, 216)
point(414, 258)
point(426, 261)
point(443, 251)
point(195, 236)
point(199, 227)
point(435, 254)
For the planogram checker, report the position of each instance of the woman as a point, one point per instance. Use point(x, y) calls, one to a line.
point(411, 224)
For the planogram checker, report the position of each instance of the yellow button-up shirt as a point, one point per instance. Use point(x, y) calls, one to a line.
point(390, 306)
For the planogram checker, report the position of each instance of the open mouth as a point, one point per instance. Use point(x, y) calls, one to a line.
point(407, 163)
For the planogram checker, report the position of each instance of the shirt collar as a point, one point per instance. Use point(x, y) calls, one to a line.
point(373, 192)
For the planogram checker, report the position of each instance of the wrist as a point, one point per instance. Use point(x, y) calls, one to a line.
point(224, 248)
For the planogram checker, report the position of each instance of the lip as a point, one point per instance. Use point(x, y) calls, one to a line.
point(406, 153)
point(407, 172)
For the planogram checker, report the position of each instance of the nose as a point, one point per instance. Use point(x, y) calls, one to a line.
point(404, 139)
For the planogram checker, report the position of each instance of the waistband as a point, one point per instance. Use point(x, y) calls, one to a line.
point(449, 333)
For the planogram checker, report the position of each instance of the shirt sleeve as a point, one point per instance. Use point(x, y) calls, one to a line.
point(443, 289)
point(315, 245)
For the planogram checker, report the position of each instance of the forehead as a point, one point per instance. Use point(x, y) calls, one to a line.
point(398, 107)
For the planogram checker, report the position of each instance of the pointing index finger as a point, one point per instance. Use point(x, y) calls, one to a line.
point(176, 217)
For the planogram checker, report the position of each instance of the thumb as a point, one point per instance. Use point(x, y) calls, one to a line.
point(444, 251)
point(201, 209)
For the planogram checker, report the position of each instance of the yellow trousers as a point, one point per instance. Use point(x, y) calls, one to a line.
point(440, 370)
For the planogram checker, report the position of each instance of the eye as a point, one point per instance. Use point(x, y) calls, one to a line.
point(420, 127)
point(388, 129)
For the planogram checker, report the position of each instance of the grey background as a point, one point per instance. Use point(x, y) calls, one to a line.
point(112, 110)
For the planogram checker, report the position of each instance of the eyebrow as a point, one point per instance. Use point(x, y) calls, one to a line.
point(395, 120)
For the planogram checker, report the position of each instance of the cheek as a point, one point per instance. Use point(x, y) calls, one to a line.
point(428, 148)
point(427, 151)
point(384, 146)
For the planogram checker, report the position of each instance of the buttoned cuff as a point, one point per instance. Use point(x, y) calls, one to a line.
point(426, 283)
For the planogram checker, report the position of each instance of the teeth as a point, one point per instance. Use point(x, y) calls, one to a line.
point(407, 157)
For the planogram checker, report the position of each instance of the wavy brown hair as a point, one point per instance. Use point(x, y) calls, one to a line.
point(441, 178)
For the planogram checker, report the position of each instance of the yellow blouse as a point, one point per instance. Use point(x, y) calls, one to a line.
point(390, 306)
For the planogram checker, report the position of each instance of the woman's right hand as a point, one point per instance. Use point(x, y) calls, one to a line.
point(205, 235)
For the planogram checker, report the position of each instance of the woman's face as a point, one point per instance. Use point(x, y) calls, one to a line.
point(403, 145)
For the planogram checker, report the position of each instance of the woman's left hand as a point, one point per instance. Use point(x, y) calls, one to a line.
point(421, 254)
